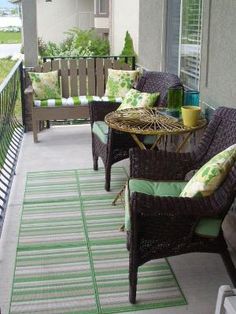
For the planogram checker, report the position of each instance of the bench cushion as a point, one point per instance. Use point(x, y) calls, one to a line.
point(73, 101)
point(100, 128)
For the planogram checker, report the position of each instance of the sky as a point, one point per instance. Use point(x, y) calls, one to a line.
point(5, 4)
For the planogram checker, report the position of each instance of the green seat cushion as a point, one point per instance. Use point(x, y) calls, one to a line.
point(100, 128)
point(149, 139)
point(155, 188)
point(206, 227)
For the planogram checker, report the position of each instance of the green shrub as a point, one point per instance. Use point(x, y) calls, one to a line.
point(128, 49)
point(78, 43)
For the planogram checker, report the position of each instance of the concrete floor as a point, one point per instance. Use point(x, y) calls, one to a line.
point(69, 147)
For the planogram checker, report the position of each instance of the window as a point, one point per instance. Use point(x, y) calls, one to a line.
point(190, 43)
point(102, 6)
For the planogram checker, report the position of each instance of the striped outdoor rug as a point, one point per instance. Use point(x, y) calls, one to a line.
point(71, 256)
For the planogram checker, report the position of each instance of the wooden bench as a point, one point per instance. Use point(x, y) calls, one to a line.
point(81, 76)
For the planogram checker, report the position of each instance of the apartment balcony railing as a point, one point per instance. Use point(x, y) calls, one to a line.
point(11, 132)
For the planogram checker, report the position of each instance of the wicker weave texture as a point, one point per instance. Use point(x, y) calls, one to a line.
point(164, 226)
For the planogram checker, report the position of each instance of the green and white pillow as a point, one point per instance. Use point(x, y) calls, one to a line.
point(137, 99)
point(210, 176)
point(119, 82)
point(45, 85)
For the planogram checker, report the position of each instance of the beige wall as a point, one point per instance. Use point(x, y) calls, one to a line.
point(58, 16)
point(218, 66)
point(152, 34)
point(125, 17)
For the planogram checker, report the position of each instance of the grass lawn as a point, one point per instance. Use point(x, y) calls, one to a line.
point(6, 66)
point(10, 37)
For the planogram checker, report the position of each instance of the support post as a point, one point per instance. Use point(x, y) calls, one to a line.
point(30, 33)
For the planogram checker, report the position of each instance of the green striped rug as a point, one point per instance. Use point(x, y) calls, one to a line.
point(71, 256)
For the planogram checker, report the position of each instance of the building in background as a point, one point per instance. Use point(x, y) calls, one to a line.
point(56, 17)
point(101, 17)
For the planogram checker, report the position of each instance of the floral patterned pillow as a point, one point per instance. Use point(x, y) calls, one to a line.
point(119, 82)
point(45, 85)
point(136, 99)
point(210, 176)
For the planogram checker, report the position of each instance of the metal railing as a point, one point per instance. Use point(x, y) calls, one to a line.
point(126, 59)
point(11, 132)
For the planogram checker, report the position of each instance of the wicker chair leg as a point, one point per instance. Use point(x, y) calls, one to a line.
point(128, 240)
point(133, 277)
point(107, 178)
point(229, 266)
point(95, 162)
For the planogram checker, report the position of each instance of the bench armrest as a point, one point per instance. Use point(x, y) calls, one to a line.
point(29, 90)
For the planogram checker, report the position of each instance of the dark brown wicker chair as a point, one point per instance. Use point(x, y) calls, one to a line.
point(164, 226)
point(118, 143)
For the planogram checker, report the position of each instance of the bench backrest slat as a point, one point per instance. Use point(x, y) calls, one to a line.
point(55, 65)
point(107, 65)
point(82, 77)
point(125, 66)
point(73, 77)
point(46, 67)
point(64, 78)
point(100, 77)
point(116, 65)
point(91, 77)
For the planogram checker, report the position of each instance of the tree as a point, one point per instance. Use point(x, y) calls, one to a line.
point(128, 49)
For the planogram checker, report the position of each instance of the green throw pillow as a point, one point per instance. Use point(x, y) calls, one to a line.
point(119, 82)
point(136, 99)
point(45, 85)
point(210, 176)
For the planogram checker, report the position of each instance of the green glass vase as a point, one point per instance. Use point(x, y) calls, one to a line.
point(175, 101)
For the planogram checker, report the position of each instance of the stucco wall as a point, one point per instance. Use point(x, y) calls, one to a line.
point(57, 17)
point(125, 16)
point(218, 66)
point(152, 34)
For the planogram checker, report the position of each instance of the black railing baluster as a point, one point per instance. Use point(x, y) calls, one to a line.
point(11, 131)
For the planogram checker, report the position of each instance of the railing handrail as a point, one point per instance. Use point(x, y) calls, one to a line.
point(126, 58)
point(10, 74)
point(87, 57)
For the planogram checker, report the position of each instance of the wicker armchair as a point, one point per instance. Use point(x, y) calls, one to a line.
point(164, 226)
point(118, 144)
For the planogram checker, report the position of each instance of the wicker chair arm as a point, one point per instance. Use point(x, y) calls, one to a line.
point(155, 206)
point(160, 165)
point(99, 109)
point(29, 90)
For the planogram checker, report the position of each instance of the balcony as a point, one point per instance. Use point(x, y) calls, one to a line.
point(69, 147)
